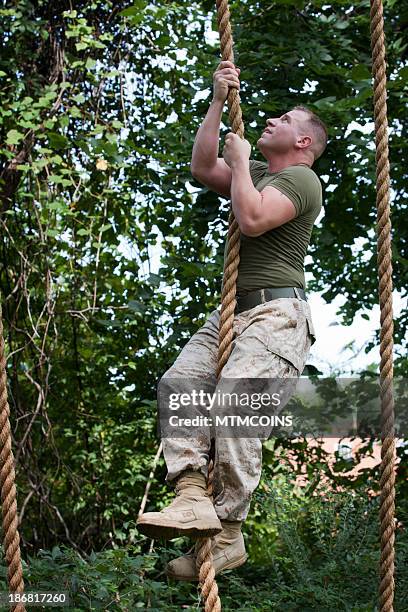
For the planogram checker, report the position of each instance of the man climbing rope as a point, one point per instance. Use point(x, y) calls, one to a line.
point(275, 204)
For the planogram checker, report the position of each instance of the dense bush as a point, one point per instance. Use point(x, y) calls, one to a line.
point(320, 552)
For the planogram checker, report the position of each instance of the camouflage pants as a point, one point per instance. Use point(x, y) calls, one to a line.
point(271, 340)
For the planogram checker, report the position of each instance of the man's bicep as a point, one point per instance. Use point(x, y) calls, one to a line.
point(217, 178)
point(276, 209)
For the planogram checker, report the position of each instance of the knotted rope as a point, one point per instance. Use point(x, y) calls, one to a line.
point(204, 561)
point(8, 488)
point(387, 479)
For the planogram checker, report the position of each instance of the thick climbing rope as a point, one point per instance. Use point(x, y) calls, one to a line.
point(232, 257)
point(8, 488)
point(204, 561)
point(387, 478)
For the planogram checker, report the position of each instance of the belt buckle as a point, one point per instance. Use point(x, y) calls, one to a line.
point(263, 300)
point(295, 289)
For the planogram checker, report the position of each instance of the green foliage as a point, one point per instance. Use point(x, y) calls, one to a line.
point(324, 554)
point(321, 553)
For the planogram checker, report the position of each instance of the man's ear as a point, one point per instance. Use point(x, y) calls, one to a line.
point(304, 141)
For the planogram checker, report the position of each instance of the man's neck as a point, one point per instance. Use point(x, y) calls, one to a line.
point(276, 165)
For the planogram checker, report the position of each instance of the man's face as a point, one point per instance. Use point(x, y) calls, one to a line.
point(282, 133)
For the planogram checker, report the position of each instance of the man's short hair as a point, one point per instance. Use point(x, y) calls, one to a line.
point(319, 131)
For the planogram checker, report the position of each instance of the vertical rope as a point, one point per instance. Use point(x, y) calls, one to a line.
point(204, 561)
point(232, 257)
point(387, 479)
point(8, 488)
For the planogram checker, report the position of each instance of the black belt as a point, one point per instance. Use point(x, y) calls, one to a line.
point(254, 298)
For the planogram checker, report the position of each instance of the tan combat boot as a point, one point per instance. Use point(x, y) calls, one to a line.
point(191, 513)
point(228, 551)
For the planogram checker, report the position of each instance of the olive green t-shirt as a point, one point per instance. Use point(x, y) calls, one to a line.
point(276, 258)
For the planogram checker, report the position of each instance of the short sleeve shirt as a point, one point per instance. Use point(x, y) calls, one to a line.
point(276, 258)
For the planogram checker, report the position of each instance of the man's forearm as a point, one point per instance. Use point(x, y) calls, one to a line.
point(205, 149)
point(245, 199)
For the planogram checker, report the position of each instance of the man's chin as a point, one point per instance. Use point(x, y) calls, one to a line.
point(260, 144)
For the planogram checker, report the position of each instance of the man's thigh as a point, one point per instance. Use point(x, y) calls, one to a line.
point(198, 359)
point(194, 369)
point(276, 329)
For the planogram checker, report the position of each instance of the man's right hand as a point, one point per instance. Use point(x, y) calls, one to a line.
point(226, 76)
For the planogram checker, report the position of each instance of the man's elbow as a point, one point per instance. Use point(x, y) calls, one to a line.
point(250, 227)
point(197, 172)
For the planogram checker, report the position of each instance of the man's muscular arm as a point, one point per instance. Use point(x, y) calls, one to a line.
point(255, 212)
point(229, 175)
point(206, 166)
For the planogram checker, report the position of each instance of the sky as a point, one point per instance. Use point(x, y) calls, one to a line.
point(328, 353)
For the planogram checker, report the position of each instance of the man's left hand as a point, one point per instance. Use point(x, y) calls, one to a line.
point(235, 149)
